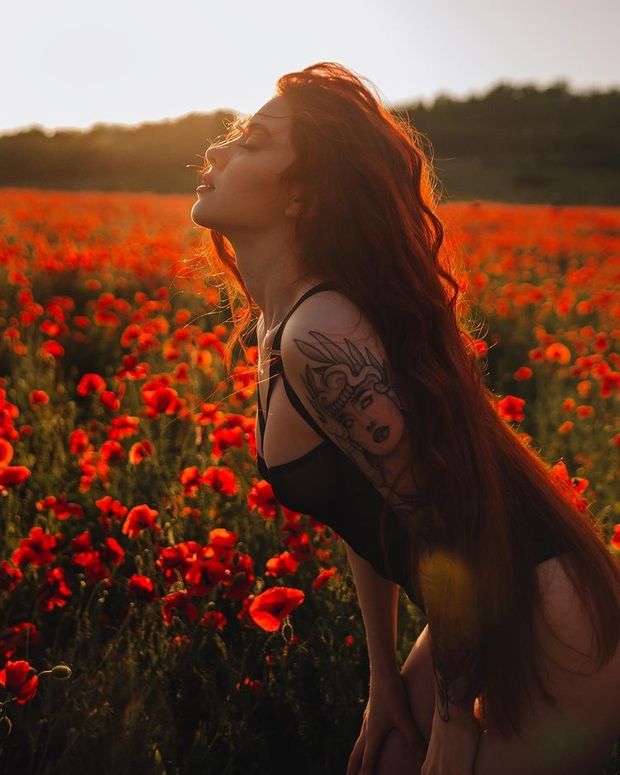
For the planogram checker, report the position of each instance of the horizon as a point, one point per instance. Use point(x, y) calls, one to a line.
point(427, 102)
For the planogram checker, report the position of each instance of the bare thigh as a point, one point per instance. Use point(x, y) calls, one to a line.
point(575, 739)
point(578, 737)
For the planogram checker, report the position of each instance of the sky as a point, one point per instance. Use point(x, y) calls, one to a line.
point(73, 63)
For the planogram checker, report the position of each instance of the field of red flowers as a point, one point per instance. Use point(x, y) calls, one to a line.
point(159, 608)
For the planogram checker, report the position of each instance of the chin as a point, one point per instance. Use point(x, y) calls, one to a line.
point(197, 217)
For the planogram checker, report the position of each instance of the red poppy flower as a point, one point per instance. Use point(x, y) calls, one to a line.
point(52, 348)
point(282, 564)
point(6, 453)
point(190, 478)
point(55, 591)
point(123, 426)
point(90, 383)
point(16, 679)
point(139, 518)
point(37, 397)
point(536, 355)
point(584, 387)
point(571, 487)
point(271, 607)
point(323, 577)
point(10, 576)
point(482, 348)
point(110, 509)
point(178, 603)
point(62, 508)
point(35, 549)
point(13, 475)
point(111, 451)
point(239, 578)
point(558, 353)
point(23, 635)
point(203, 575)
point(142, 587)
point(261, 498)
point(523, 372)
point(221, 479)
point(511, 408)
point(79, 441)
point(109, 400)
point(140, 451)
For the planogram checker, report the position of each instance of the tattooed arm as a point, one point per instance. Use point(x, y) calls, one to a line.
point(340, 373)
point(336, 364)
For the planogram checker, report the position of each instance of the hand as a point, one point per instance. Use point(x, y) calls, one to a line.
point(387, 708)
point(453, 746)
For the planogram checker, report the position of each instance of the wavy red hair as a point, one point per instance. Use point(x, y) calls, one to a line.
point(368, 224)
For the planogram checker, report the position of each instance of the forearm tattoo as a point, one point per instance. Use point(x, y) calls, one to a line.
point(453, 673)
point(452, 598)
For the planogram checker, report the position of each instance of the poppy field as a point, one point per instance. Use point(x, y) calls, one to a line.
point(160, 611)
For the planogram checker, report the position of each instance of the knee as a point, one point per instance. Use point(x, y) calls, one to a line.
point(419, 677)
point(396, 756)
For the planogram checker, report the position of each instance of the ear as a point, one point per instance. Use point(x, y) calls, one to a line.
point(294, 208)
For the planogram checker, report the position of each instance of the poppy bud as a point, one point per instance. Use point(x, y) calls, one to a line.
point(61, 672)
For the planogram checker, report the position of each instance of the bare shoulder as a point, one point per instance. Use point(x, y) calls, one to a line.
point(328, 311)
point(337, 365)
point(329, 335)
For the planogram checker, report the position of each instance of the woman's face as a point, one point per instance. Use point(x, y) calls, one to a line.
point(245, 173)
point(373, 421)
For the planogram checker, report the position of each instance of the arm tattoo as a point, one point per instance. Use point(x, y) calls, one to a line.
point(355, 399)
point(452, 601)
point(453, 679)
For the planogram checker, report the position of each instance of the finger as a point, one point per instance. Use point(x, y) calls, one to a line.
point(355, 759)
point(371, 751)
point(414, 738)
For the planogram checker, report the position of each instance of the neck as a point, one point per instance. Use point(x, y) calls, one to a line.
point(272, 273)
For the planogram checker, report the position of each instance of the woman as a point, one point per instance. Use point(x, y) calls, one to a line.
point(321, 211)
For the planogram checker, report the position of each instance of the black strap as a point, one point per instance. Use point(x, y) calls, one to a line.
point(261, 416)
point(295, 400)
point(277, 365)
point(315, 289)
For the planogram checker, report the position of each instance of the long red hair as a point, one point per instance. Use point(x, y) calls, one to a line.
point(368, 224)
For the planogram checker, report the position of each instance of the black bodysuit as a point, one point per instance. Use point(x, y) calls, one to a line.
point(328, 485)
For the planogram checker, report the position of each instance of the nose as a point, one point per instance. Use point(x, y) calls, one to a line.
point(214, 155)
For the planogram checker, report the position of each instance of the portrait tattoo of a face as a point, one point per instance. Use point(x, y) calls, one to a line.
point(356, 401)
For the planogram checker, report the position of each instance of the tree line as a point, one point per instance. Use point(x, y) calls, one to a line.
point(513, 143)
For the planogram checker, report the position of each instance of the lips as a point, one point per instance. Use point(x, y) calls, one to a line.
point(381, 433)
point(202, 189)
point(206, 181)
